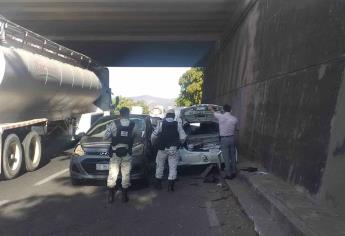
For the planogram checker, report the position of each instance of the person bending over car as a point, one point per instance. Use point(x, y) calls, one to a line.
point(167, 135)
point(120, 132)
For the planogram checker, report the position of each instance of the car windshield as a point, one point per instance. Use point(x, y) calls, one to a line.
point(99, 129)
point(201, 128)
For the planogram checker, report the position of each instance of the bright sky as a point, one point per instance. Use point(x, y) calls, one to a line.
point(155, 81)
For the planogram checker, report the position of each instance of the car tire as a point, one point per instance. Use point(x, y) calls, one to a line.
point(32, 145)
point(146, 181)
point(146, 178)
point(12, 158)
point(75, 182)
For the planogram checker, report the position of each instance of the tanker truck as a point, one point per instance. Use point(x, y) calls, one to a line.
point(44, 89)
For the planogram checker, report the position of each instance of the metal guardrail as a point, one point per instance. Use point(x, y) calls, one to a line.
point(17, 36)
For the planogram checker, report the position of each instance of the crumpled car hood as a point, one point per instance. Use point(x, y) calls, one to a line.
point(202, 142)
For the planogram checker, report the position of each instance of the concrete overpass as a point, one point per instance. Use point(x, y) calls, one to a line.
point(146, 32)
point(279, 63)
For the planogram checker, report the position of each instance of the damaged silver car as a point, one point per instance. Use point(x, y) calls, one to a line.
point(202, 145)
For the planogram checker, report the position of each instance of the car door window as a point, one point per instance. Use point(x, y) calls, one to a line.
point(99, 130)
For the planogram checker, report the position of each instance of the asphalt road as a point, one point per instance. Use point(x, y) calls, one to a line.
point(45, 203)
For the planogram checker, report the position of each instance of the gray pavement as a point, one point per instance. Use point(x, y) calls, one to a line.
point(45, 203)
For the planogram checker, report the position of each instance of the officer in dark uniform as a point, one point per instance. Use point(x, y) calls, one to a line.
point(168, 136)
point(121, 133)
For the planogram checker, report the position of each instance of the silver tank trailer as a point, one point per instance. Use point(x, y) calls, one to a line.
point(34, 86)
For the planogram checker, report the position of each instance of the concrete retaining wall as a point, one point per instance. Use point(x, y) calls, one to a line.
point(281, 66)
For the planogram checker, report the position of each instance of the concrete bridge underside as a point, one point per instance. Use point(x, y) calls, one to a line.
point(146, 32)
point(279, 63)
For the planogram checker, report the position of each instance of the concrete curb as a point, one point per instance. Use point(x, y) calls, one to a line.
point(294, 212)
point(264, 223)
point(291, 224)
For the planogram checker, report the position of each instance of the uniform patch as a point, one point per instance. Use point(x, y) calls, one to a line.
point(124, 133)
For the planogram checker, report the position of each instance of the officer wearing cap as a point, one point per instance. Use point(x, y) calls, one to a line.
point(168, 135)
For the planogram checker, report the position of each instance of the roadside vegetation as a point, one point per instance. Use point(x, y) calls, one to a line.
point(128, 102)
point(191, 84)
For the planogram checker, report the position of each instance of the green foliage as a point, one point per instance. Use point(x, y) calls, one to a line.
point(128, 102)
point(191, 87)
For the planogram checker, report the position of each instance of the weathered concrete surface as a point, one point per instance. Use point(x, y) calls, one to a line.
point(285, 208)
point(333, 185)
point(281, 67)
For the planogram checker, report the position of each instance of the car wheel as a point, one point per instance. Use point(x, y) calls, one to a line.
point(146, 179)
point(12, 156)
point(32, 150)
point(75, 182)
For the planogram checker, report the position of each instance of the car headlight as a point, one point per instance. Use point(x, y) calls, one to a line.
point(79, 150)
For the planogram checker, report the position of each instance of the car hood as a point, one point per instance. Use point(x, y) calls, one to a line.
point(99, 145)
point(94, 144)
point(203, 138)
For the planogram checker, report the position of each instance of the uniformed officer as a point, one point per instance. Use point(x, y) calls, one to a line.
point(120, 132)
point(168, 136)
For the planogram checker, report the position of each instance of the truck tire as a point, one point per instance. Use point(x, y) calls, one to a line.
point(12, 157)
point(32, 150)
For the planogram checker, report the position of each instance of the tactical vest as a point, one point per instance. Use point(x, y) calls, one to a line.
point(169, 135)
point(124, 135)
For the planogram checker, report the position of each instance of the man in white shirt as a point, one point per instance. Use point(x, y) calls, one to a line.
point(227, 128)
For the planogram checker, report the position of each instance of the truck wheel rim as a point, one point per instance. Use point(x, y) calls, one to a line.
point(34, 150)
point(14, 157)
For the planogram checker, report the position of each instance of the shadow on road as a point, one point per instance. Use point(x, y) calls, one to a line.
point(47, 215)
point(83, 210)
point(77, 210)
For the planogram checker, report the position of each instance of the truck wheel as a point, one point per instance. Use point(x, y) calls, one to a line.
point(12, 156)
point(32, 150)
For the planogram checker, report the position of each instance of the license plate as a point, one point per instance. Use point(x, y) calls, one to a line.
point(102, 166)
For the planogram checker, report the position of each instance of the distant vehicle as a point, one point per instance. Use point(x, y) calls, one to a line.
point(157, 111)
point(137, 110)
point(44, 89)
point(202, 144)
point(90, 159)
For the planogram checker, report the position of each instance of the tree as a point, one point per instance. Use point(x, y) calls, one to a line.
point(191, 87)
point(129, 102)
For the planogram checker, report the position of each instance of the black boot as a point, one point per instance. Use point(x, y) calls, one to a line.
point(171, 184)
point(111, 193)
point(125, 195)
point(158, 184)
